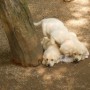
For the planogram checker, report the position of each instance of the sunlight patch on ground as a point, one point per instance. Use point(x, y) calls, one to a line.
point(70, 83)
point(77, 14)
point(81, 12)
point(47, 77)
point(84, 9)
point(58, 74)
point(55, 75)
point(77, 22)
point(41, 71)
point(82, 2)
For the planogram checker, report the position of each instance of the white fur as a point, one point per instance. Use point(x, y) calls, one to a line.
point(67, 59)
point(46, 42)
point(51, 55)
point(50, 24)
point(53, 29)
point(55, 32)
point(74, 48)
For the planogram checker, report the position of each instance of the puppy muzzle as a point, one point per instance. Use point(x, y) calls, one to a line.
point(76, 60)
point(48, 65)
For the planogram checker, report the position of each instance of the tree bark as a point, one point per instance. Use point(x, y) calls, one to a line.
point(16, 20)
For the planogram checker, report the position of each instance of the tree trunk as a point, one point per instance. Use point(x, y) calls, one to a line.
point(16, 20)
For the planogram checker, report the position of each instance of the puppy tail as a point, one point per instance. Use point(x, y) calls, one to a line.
point(38, 23)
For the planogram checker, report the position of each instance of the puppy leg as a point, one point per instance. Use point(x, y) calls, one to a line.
point(52, 40)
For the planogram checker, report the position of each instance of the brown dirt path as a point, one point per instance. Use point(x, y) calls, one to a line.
point(76, 16)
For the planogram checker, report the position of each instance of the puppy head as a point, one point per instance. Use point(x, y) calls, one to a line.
point(81, 53)
point(48, 62)
point(77, 57)
point(51, 56)
point(76, 49)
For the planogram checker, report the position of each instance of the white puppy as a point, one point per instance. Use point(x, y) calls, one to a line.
point(53, 29)
point(51, 54)
point(46, 43)
point(51, 24)
point(61, 36)
point(74, 48)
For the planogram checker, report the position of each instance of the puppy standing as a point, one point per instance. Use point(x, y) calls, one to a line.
point(54, 29)
point(49, 25)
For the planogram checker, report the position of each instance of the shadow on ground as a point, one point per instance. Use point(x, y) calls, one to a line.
point(76, 16)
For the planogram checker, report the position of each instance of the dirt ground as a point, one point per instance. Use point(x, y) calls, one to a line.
point(76, 16)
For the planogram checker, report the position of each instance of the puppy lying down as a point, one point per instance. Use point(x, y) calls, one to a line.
point(75, 49)
point(72, 47)
point(69, 45)
point(52, 53)
point(69, 51)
